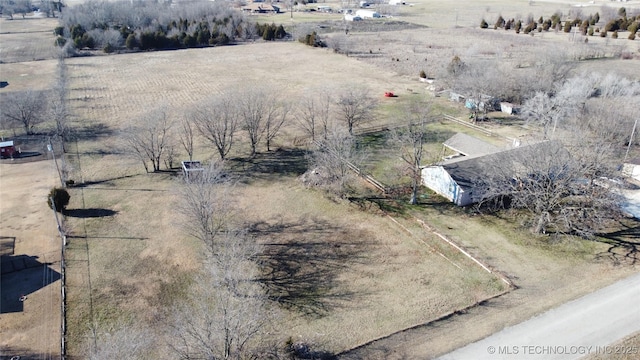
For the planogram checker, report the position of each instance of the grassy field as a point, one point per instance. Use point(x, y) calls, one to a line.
point(355, 274)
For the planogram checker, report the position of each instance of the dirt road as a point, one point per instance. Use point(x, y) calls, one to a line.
point(587, 325)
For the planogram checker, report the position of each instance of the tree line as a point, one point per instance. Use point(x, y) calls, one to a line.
point(113, 26)
point(586, 26)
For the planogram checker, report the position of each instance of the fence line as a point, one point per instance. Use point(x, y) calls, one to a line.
point(366, 177)
point(476, 127)
point(63, 283)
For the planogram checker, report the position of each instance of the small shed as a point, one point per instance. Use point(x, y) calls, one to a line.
point(509, 108)
point(191, 169)
point(7, 149)
point(631, 168)
point(455, 97)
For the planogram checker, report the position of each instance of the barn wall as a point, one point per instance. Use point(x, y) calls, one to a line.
point(438, 180)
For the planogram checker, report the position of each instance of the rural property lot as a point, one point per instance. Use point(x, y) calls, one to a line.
point(349, 279)
point(30, 261)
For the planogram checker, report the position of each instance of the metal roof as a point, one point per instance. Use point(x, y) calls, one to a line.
point(470, 146)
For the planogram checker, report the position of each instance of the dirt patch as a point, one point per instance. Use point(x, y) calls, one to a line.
point(30, 262)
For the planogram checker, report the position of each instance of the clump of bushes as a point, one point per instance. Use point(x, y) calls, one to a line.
point(312, 40)
point(58, 199)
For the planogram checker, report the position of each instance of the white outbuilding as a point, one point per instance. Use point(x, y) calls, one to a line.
point(368, 14)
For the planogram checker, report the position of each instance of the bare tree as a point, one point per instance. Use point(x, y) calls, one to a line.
point(228, 315)
point(555, 191)
point(217, 120)
point(25, 108)
point(259, 109)
point(186, 136)
point(410, 141)
point(277, 117)
point(480, 81)
point(58, 109)
point(149, 138)
point(206, 205)
point(335, 159)
point(355, 107)
point(314, 112)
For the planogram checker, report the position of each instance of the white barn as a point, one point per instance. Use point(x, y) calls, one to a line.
point(368, 14)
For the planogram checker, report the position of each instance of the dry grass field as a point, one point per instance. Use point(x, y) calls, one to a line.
point(354, 275)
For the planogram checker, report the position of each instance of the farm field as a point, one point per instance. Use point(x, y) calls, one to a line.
point(361, 283)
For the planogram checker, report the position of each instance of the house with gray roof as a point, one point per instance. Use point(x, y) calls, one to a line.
point(462, 179)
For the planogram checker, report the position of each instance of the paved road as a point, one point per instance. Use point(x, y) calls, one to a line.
point(587, 325)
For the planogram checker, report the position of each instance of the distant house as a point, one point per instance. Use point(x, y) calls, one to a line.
point(260, 8)
point(368, 14)
point(7, 149)
point(461, 179)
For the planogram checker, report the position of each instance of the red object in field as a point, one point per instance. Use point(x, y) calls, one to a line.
point(389, 94)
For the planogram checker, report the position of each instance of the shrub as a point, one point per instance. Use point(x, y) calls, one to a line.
point(60, 41)
point(423, 75)
point(108, 48)
point(614, 35)
point(632, 36)
point(603, 34)
point(483, 24)
point(131, 42)
point(59, 30)
point(60, 199)
point(567, 26)
point(518, 26)
point(590, 32)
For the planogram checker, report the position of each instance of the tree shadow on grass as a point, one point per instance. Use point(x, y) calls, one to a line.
point(89, 213)
point(624, 244)
point(270, 166)
point(91, 132)
point(302, 262)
